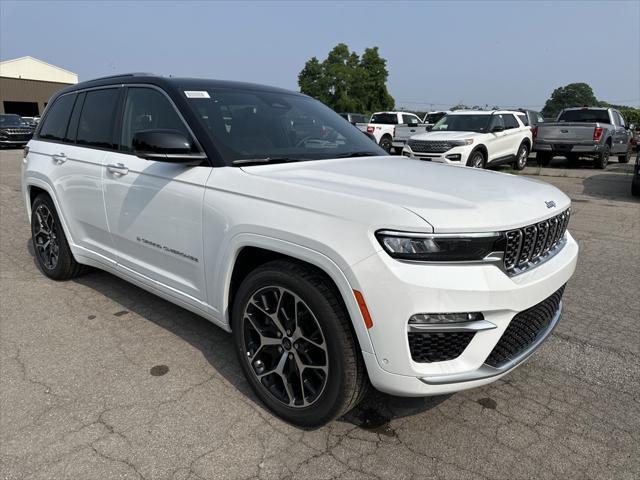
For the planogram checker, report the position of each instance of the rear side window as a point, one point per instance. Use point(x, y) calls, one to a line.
point(385, 118)
point(510, 122)
point(95, 128)
point(148, 109)
point(409, 119)
point(54, 126)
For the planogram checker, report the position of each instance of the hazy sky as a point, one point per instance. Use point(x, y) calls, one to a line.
point(439, 54)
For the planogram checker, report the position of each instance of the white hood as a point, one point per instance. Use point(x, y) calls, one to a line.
point(451, 199)
point(444, 135)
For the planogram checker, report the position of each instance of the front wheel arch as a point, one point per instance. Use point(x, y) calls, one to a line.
point(249, 251)
point(482, 149)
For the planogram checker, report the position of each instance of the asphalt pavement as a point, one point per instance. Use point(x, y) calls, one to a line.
point(102, 380)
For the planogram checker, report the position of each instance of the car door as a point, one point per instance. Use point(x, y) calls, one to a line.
point(154, 208)
point(513, 135)
point(620, 139)
point(497, 142)
point(76, 149)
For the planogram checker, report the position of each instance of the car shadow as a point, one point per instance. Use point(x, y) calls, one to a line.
point(610, 186)
point(373, 413)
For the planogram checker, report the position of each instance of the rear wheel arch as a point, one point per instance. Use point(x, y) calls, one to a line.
point(37, 187)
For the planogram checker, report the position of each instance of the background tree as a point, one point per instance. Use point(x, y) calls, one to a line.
point(581, 95)
point(572, 95)
point(346, 82)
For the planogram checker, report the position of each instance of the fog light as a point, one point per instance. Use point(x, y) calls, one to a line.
point(439, 318)
point(454, 156)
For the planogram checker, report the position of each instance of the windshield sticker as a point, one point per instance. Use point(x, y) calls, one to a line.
point(197, 94)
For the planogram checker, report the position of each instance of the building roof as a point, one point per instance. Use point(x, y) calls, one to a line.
point(33, 69)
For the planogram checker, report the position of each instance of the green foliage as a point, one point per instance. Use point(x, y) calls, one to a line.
point(630, 114)
point(581, 95)
point(572, 95)
point(346, 82)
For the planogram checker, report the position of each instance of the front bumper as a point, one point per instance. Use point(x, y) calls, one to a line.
point(394, 291)
point(454, 156)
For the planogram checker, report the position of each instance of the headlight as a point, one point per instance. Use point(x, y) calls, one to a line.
point(440, 248)
point(460, 143)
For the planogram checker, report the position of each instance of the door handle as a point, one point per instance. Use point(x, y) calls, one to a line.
point(59, 158)
point(117, 169)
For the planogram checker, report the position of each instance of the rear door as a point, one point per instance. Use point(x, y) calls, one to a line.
point(76, 149)
point(620, 135)
point(154, 209)
point(513, 134)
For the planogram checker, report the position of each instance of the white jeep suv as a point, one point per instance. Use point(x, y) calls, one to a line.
point(332, 264)
point(475, 139)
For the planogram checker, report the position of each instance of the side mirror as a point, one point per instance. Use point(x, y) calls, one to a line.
point(631, 126)
point(497, 128)
point(428, 128)
point(165, 146)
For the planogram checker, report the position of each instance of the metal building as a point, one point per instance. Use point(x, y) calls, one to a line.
point(26, 84)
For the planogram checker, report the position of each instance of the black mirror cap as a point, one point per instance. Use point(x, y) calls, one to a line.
point(164, 145)
point(429, 128)
point(497, 128)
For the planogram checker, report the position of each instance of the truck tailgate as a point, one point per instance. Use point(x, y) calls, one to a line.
point(403, 132)
point(566, 132)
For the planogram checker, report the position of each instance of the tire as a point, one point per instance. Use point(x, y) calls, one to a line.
point(521, 157)
point(385, 143)
point(477, 159)
point(544, 158)
point(316, 335)
point(635, 186)
point(602, 159)
point(52, 251)
point(625, 158)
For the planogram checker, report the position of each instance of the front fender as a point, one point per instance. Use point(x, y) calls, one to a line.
point(343, 279)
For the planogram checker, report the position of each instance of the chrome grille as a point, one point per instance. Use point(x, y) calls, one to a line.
point(429, 146)
point(18, 131)
point(529, 244)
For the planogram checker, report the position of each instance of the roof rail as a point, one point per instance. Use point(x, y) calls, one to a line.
point(134, 74)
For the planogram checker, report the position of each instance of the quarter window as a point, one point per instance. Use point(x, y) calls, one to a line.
point(510, 122)
point(95, 128)
point(148, 109)
point(54, 126)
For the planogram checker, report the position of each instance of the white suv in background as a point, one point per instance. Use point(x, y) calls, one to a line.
point(331, 263)
point(475, 139)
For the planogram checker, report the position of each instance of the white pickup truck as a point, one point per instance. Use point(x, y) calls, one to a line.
point(402, 133)
point(383, 127)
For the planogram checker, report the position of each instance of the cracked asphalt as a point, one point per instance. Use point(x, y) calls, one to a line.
point(101, 380)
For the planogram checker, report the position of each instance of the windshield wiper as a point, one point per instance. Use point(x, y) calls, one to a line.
point(357, 154)
point(264, 161)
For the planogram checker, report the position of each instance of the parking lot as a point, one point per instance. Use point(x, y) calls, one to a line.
point(101, 380)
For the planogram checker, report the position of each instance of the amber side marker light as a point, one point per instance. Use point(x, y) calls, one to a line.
point(363, 309)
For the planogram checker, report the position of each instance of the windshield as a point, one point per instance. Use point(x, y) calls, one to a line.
point(463, 123)
point(11, 121)
point(586, 115)
point(384, 118)
point(246, 125)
